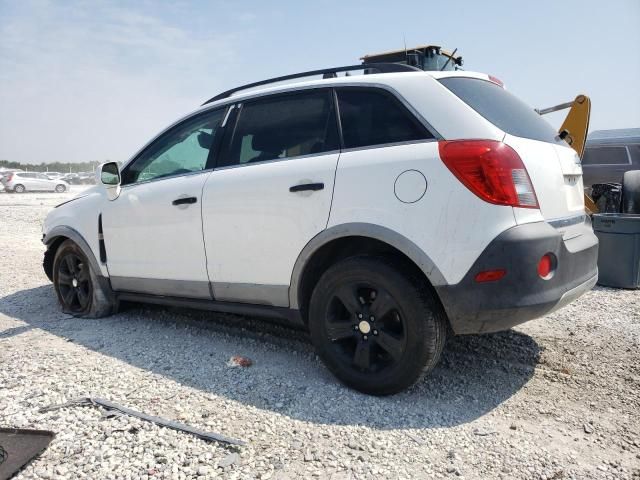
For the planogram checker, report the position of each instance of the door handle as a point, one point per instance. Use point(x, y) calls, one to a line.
point(314, 187)
point(184, 201)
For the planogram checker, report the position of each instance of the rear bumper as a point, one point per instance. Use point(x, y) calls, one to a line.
point(521, 295)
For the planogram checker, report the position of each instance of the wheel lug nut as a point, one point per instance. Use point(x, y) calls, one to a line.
point(355, 327)
point(375, 332)
point(359, 315)
point(365, 337)
point(372, 318)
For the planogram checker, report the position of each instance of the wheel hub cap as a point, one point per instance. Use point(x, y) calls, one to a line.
point(364, 327)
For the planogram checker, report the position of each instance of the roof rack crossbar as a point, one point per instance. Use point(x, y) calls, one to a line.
point(379, 67)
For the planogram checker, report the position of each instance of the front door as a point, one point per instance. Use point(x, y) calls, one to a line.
point(153, 229)
point(270, 194)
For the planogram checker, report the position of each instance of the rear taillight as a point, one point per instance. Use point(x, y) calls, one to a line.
point(8, 177)
point(491, 170)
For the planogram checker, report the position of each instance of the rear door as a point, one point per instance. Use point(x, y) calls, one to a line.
point(270, 195)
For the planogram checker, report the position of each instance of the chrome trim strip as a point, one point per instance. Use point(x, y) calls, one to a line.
point(566, 222)
point(273, 160)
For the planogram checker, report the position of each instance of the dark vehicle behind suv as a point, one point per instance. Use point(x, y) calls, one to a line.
point(610, 153)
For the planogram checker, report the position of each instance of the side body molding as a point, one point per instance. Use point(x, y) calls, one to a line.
point(376, 232)
point(64, 231)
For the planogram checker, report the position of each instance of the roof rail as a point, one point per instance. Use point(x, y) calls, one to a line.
point(327, 72)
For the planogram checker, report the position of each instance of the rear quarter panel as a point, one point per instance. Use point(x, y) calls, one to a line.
point(449, 223)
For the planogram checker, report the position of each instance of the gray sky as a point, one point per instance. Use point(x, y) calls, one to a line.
point(94, 80)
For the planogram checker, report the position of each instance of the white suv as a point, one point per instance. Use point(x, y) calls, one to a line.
point(381, 211)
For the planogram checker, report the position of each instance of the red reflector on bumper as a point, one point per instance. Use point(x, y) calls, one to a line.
point(490, 275)
point(546, 266)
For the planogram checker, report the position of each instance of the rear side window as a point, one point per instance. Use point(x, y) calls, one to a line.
point(503, 109)
point(375, 117)
point(284, 126)
point(613, 155)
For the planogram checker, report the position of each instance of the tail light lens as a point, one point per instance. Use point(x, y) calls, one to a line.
point(8, 177)
point(491, 170)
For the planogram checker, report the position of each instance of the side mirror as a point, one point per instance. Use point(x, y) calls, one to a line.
point(109, 176)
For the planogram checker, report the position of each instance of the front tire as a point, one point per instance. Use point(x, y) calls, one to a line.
point(376, 329)
point(19, 189)
point(77, 286)
point(60, 188)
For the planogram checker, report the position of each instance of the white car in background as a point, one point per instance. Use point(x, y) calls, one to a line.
point(53, 175)
point(383, 212)
point(20, 182)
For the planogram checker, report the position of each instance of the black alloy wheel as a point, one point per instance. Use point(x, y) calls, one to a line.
point(376, 325)
point(73, 282)
point(365, 326)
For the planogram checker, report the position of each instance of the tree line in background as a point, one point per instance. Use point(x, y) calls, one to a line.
point(62, 167)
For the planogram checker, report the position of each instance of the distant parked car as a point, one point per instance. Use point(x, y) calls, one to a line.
point(609, 154)
point(20, 182)
point(87, 178)
point(53, 175)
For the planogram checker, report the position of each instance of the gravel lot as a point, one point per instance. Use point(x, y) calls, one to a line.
point(555, 398)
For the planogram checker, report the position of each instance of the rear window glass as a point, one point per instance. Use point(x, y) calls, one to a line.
point(605, 156)
point(503, 109)
point(373, 117)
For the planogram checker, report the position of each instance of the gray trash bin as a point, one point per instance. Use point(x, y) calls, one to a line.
point(619, 250)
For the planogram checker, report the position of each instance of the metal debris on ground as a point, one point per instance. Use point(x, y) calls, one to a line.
point(150, 418)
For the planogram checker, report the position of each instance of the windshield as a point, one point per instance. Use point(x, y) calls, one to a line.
point(436, 62)
point(502, 108)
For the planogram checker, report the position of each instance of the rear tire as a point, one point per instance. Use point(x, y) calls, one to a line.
point(60, 188)
point(79, 290)
point(631, 192)
point(375, 328)
point(19, 188)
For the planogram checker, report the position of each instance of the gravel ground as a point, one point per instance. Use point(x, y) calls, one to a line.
point(555, 398)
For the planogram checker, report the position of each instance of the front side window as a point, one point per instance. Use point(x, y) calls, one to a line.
point(374, 117)
point(613, 155)
point(283, 126)
point(183, 149)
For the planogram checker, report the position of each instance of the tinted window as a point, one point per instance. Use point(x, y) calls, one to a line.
point(373, 117)
point(183, 149)
point(284, 126)
point(605, 156)
point(503, 109)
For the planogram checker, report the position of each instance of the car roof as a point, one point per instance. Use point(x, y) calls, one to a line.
point(619, 136)
point(389, 79)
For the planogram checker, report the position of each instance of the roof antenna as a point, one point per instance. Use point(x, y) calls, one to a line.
point(406, 58)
